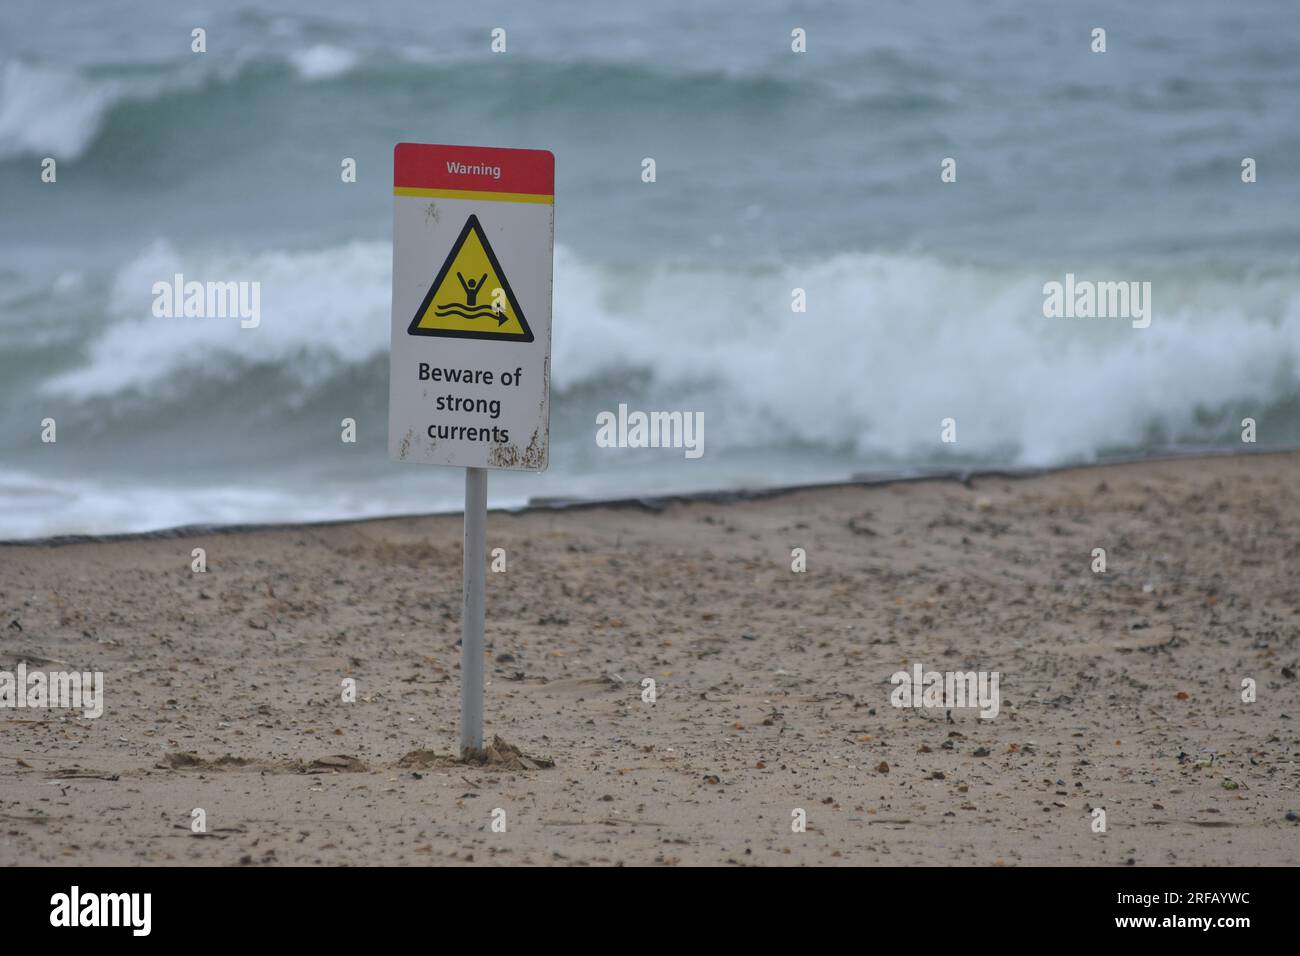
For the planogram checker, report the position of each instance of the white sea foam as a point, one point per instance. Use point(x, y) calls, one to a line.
point(322, 61)
point(45, 110)
point(889, 346)
point(324, 306)
point(40, 506)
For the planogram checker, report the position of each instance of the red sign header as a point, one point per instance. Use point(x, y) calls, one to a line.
point(485, 169)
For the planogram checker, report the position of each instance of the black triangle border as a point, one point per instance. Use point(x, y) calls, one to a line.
point(471, 223)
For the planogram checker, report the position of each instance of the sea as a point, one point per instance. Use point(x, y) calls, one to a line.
point(775, 171)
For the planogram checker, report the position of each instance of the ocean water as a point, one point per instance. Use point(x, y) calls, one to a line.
point(775, 171)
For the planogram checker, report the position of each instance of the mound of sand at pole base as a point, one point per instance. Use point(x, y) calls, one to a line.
point(498, 755)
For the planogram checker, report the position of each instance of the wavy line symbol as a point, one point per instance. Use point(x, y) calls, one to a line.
point(465, 312)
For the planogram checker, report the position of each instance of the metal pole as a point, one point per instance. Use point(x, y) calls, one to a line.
point(471, 622)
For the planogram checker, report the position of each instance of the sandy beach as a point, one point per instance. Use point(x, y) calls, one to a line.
point(1119, 690)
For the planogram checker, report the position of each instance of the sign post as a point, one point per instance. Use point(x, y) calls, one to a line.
point(470, 364)
point(471, 622)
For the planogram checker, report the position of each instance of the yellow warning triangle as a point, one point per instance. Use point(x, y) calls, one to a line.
point(471, 298)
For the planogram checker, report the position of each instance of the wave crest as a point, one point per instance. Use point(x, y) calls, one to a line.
point(888, 347)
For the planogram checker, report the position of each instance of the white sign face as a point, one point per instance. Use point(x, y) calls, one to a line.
point(473, 247)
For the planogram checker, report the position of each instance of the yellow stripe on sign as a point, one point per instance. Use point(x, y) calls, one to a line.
point(471, 194)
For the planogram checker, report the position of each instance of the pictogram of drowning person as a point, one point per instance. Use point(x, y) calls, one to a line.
point(470, 308)
point(471, 288)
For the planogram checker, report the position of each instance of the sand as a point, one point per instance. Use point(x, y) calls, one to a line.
point(1119, 691)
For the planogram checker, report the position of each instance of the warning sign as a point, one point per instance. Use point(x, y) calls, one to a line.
point(471, 297)
point(473, 247)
